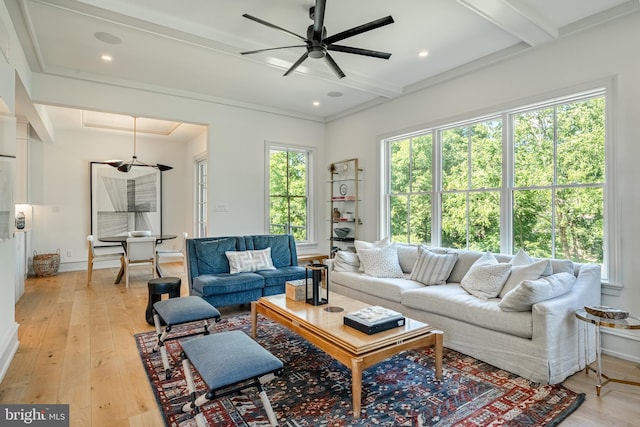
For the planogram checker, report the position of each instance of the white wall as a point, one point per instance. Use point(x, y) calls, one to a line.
point(608, 53)
point(60, 187)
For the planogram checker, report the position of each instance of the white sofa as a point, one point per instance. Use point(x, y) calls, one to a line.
point(544, 345)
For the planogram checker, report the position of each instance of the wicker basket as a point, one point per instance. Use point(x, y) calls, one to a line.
point(46, 264)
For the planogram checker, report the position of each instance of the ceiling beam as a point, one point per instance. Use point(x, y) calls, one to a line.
point(516, 18)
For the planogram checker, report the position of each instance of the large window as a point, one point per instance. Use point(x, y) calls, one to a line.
point(531, 178)
point(288, 186)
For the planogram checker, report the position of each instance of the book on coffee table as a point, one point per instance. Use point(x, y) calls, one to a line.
point(372, 320)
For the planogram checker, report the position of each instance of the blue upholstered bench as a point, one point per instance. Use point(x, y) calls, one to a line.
point(176, 311)
point(228, 362)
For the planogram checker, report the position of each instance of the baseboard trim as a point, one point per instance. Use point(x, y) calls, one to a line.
point(8, 348)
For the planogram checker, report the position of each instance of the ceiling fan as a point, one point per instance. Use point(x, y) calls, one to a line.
point(318, 44)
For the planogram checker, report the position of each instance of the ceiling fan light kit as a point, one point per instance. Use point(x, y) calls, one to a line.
point(126, 167)
point(318, 44)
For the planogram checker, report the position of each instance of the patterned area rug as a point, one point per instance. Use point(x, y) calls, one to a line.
point(315, 390)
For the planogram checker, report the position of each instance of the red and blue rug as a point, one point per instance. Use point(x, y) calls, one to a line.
point(315, 390)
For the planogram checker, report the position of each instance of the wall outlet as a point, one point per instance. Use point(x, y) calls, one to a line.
point(69, 254)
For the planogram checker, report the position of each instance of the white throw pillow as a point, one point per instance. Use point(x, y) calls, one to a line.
point(361, 244)
point(431, 268)
point(243, 261)
point(530, 292)
point(381, 262)
point(346, 262)
point(525, 268)
point(486, 277)
point(523, 258)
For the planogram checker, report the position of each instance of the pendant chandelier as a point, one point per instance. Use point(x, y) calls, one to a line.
point(126, 167)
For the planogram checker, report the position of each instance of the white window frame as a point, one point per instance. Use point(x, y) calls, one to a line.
point(611, 244)
point(200, 207)
point(311, 241)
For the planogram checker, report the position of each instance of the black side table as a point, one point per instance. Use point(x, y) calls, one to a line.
point(159, 287)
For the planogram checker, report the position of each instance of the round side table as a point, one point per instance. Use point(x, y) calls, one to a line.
point(630, 322)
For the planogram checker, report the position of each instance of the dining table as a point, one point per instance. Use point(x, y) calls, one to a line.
point(122, 239)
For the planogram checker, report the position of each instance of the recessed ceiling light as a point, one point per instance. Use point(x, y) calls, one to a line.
point(423, 53)
point(106, 58)
point(316, 103)
point(107, 38)
point(335, 94)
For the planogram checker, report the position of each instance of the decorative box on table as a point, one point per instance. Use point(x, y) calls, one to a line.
point(372, 320)
point(295, 289)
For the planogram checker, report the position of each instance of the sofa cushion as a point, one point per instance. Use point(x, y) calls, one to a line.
point(389, 289)
point(283, 248)
point(407, 256)
point(452, 301)
point(346, 261)
point(530, 292)
point(486, 277)
point(463, 264)
point(253, 260)
point(381, 262)
point(279, 276)
point(519, 273)
point(210, 254)
point(431, 268)
point(225, 283)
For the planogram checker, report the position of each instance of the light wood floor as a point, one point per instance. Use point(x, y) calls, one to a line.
point(77, 347)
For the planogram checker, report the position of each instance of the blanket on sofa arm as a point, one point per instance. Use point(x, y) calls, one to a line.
point(514, 312)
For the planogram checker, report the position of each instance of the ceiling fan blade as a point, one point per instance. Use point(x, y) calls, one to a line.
point(358, 51)
point(270, 25)
point(271, 48)
point(297, 63)
point(359, 30)
point(334, 66)
point(318, 19)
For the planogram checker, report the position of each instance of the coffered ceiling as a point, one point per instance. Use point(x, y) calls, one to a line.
point(193, 47)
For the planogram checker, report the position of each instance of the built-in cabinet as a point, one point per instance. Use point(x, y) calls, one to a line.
point(344, 212)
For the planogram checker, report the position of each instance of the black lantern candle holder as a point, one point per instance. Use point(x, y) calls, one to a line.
point(319, 276)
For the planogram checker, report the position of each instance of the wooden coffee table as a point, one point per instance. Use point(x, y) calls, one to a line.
point(323, 326)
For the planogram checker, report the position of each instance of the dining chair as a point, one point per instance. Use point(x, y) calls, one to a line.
point(93, 256)
point(173, 255)
point(140, 250)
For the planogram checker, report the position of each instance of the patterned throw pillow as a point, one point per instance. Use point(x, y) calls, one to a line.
point(381, 262)
point(486, 277)
point(431, 268)
point(361, 244)
point(243, 261)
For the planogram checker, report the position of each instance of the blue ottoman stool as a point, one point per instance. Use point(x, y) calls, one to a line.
point(176, 311)
point(228, 362)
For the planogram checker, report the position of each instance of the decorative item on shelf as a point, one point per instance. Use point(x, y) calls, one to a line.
point(342, 232)
point(126, 167)
point(343, 189)
point(319, 276)
point(348, 216)
point(20, 220)
point(336, 213)
point(606, 312)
